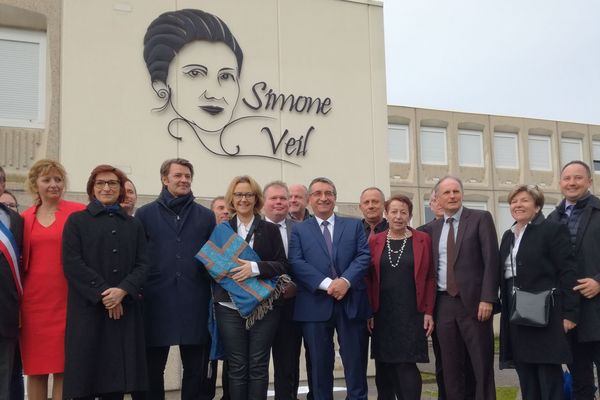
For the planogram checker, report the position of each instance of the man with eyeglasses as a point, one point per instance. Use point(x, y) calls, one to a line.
point(330, 257)
point(177, 292)
point(580, 212)
point(11, 234)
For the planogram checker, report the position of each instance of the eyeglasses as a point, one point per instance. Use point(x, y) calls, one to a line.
point(327, 193)
point(111, 184)
point(239, 195)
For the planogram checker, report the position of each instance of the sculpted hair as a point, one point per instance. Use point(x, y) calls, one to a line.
point(578, 162)
point(401, 198)
point(534, 191)
point(166, 166)
point(279, 184)
point(41, 168)
point(436, 188)
point(169, 32)
point(106, 168)
point(322, 179)
point(254, 186)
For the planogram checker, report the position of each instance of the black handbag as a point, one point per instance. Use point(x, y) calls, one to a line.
point(530, 308)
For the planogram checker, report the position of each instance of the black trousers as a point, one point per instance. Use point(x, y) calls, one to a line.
point(195, 383)
point(400, 381)
point(540, 381)
point(248, 352)
point(439, 371)
point(460, 332)
point(582, 368)
point(7, 357)
point(287, 346)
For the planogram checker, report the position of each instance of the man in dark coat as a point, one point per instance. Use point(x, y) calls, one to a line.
point(177, 292)
point(438, 212)
point(580, 212)
point(12, 235)
point(465, 254)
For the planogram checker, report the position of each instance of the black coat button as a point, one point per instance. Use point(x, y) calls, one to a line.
point(114, 250)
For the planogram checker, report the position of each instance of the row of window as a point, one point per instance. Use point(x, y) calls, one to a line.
point(433, 148)
point(503, 219)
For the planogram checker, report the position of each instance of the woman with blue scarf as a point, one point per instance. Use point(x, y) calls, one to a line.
point(105, 263)
point(246, 285)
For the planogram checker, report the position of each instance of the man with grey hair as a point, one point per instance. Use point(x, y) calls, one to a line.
point(330, 258)
point(298, 200)
point(371, 205)
point(177, 292)
point(465, 254)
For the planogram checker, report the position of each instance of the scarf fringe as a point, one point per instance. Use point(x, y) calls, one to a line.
point(267, 304)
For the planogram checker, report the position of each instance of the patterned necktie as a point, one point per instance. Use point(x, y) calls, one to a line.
point(451, 286)
point(329, 244)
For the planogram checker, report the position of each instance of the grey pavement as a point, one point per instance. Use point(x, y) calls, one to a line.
point(504, 378)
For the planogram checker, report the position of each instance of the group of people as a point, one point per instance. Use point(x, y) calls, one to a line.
point(96, 296)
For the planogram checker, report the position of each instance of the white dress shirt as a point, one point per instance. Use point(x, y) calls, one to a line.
point(443, 249)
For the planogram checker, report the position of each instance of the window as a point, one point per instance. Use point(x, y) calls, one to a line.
point(398, 143)
point(506, 150)
point(539, 153)
point(470, 148)
point(22, 78)
point(433, 146)
point(596, 155)
point(570, 149)
point(504, 219)
point(476, 205)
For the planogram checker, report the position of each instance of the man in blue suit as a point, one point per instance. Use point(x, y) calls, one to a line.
point(330, 257)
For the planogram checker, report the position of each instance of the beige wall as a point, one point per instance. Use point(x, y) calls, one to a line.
point(316, 48)
point(486, 184)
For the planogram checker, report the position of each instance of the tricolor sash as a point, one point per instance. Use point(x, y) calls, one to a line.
point(10, 250)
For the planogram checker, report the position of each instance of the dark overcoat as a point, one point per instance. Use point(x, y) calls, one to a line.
point(177, 292)
point(9, 297)
point(543, 261)
point(103, 249)
point(587, 254)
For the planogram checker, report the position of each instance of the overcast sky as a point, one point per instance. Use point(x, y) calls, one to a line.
point(532, 58)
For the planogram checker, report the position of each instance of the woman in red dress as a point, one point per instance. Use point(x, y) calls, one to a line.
point(44, 303)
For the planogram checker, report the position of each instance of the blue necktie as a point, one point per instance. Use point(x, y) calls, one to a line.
point(329, 244)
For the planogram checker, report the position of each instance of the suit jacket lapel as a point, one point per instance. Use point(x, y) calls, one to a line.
point(338, 229)
point(584, 219)
point(462, 226)
point(288, 228)
point(318, 234)
point(436, 232)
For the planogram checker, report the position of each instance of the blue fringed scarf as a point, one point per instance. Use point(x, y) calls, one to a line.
point(254, 296)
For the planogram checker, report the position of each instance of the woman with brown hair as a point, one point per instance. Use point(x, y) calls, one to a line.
point(401, 287)
point(105, 263)
point(44, 303)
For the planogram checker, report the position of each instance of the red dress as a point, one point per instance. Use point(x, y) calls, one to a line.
point(44, 303)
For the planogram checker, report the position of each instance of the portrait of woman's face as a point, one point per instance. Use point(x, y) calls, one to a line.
point(207, 88)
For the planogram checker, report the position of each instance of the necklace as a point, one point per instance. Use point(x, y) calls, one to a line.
point(399, 252)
